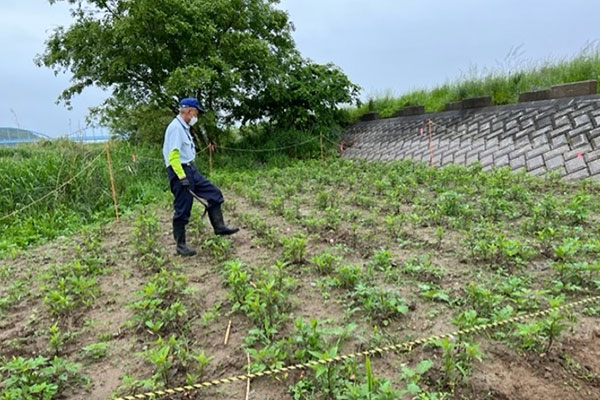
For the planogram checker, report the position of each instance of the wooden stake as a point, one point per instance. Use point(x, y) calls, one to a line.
point(227, 333)
point(248, 380)
point(321, 141)
point(430, 144)
point(210, 158)
point(112, 182)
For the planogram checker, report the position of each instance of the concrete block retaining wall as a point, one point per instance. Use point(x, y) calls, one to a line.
point(561, 135)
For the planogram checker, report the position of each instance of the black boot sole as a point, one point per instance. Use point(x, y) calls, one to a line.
point(188, 253)
point(227, 233)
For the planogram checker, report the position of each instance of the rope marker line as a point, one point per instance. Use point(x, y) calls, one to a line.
point(37, 201)
point(266, 150)
point(402, 346)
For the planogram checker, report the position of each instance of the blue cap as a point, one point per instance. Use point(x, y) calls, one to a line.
point(191, 102)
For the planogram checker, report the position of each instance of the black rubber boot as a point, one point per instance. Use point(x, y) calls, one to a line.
point(179, 235)
point(216, 219)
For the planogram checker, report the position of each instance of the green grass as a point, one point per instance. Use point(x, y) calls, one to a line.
point(504, 85)
point(30, 172)
point(470, 247)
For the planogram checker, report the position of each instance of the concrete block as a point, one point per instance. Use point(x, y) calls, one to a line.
point(544, 122)
point(447, 159)
point(595, 136)
point(559, 140)
point(555, 162)
point(517, 162)
point(582, 88)
point(453, 106)
point(582, 120)
point(561, 171)
point(578, 131)
point(485, 127)
point(526, 123)
point(370, 116)
point(505, 150)
point(562, 121)
point(512, 124)
point(502, 161)
point(538, 171)
point(592, 155)
point(556, 151)
point(412, 110)
point(594, 167)
point(536, 151)
point(535, 163)
point(579, 141)
point(536, 95)
point(477, 102)
point(575, 164)
point(472, 157)
point(576, 153)
point(487, 160)
point(492, 142)
point(460, 159)
point(580, 174)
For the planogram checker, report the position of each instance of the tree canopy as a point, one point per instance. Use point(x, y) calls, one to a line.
point(237, 56)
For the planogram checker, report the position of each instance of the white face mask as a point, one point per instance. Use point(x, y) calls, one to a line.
point(193, 121)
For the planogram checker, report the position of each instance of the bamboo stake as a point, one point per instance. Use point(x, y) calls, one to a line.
point(321, 141)
point(227, 333)
point(430, 144)
point(210, 158)
point(112, 182)
point(248, 380)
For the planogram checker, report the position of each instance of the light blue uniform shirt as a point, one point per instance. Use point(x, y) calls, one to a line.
point(179, 137)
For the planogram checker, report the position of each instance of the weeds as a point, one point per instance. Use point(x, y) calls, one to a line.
point(532, 335)
point(83, 202)
point(56, 339)
point(422, 268)
point(513, 227)
point(160, 309)
point(485, 244)
point(379, 304)
point(347, 276)
point(67, 287)
point(325, 262)
point(457, 360)
point(37, 378)
point(146, 230)
point(172, 356)
point(96, 351)
point(294, 248)
point(218, 247)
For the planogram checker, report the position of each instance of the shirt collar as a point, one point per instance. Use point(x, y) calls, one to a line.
point(185, 124)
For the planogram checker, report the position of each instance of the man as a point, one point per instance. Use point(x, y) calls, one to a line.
point(179, 153)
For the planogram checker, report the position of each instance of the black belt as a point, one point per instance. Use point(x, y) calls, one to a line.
point(183, 165)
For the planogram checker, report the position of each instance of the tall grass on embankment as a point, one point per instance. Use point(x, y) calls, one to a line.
point(503, 84)
point(30, 172)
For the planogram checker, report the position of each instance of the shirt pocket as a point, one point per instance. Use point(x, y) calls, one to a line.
point(187, 142)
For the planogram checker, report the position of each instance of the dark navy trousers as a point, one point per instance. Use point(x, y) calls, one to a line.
point(184, 200)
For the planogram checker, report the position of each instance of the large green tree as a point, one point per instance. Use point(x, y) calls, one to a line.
point(237, 56)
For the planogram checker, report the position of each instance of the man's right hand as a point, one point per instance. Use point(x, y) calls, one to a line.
point(185, 183)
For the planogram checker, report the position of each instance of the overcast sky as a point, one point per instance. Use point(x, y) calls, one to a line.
point(382, 45)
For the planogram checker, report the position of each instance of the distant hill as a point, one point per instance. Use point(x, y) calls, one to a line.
point(14, 136)
point(17, 135)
